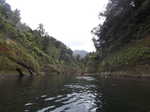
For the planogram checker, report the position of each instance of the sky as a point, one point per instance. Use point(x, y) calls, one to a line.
point(69, 21)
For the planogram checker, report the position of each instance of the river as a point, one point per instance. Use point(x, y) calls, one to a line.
point(58, 93)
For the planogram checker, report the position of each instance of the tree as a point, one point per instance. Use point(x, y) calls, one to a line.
point(16, 16)
point(2, 2)
point(41, 30)
point(123, 20)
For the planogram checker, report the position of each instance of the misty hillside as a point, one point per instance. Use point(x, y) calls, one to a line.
point(81, 53)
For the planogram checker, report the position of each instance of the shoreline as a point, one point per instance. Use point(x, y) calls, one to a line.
point(123, 75)
point(106, 75)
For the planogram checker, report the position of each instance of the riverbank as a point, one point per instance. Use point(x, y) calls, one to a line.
point(123, 75)
point(48, 69)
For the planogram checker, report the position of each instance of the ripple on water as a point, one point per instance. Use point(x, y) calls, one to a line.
point(77, 97)
point(43, 96)
point(75, 86)
point(46, 109)
point(28, 104)
point(87, 78)
point(49, 99)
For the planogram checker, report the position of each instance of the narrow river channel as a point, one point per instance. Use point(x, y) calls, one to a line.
point(57, 93)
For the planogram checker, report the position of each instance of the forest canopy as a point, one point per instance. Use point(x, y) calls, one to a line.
point(125, 21)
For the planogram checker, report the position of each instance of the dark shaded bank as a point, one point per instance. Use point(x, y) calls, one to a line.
point(120, 75)
point(123, 41)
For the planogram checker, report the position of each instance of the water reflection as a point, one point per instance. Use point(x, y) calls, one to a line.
point(54, 93)
point(126, 95)
point(76, 96)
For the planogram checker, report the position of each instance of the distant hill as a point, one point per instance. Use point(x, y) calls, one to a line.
point(82, 53)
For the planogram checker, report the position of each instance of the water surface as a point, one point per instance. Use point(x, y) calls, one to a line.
point(57, 93)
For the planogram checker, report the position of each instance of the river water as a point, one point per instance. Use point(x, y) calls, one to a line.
point(57, 93)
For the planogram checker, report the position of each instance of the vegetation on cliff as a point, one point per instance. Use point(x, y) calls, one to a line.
point(123, 41)
point(27, 49)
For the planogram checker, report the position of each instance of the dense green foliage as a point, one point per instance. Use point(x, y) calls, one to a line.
point(22, 47)
point(123, 39)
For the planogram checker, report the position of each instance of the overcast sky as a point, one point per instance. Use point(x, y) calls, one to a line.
point(69, 21)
